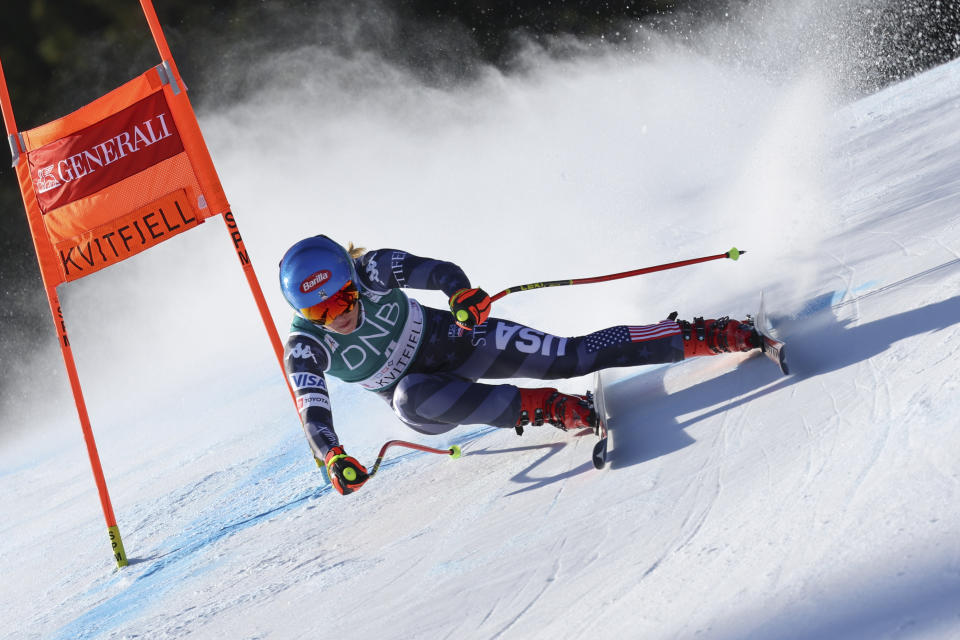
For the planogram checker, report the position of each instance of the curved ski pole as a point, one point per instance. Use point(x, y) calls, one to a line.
point(733, 254)
point(454, 452)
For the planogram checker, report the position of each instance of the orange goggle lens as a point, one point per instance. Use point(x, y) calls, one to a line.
point(343, 301)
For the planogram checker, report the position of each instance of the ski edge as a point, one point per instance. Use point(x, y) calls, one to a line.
point(600, 449)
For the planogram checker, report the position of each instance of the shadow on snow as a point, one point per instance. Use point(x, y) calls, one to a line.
point(646, 423)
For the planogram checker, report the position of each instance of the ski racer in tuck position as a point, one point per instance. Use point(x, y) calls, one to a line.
point(354, 321)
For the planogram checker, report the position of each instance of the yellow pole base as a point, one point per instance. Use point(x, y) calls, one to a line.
point(118, 553)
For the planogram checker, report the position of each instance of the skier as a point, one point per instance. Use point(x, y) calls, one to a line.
point(353, 321)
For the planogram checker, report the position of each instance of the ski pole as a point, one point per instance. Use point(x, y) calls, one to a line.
point(733, 254)
point(454, 452)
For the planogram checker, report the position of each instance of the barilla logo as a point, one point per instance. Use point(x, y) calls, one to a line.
point(314, 280)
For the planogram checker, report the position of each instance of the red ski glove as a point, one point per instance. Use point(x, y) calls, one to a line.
point(345, 473)
point(470, 307)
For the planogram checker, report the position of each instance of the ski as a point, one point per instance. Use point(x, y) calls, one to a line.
point(600, 415)
point(772, 346)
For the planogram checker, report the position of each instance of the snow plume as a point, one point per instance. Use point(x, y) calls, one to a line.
point(590, 157)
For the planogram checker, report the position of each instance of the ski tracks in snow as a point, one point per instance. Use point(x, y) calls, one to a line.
point(537, 596)
point(879, 417)
point(705, 489)
point(708, 484)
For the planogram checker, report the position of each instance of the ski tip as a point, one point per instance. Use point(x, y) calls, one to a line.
point(784, 368)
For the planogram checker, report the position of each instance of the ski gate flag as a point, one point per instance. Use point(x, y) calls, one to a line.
point(114, 178)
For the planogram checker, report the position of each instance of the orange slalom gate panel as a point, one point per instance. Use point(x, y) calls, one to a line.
point(119, 175)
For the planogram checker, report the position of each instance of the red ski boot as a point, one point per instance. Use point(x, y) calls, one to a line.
point(723, 335)
point(559, 409)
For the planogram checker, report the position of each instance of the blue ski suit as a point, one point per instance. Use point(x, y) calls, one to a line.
point(427, 368)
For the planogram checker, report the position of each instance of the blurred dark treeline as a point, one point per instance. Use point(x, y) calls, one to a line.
point(47, 46)
point(60, 54)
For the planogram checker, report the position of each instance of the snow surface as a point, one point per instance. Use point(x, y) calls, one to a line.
point(737, 503)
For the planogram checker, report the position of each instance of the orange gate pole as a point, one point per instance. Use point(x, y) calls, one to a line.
point(45, 257)
point(257, 292)
point(212, 197)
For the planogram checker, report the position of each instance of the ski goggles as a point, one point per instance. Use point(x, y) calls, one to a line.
point(343, 301)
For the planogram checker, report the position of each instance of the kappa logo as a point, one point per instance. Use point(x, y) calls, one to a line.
point(303, 351)
point(373, 271)
point(46, 179)
point(314, 280)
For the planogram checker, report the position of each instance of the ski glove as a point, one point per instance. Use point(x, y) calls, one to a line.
point(470, 307)
point(345, 473)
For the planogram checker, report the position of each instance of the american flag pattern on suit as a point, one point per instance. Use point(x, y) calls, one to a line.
point(624, 333)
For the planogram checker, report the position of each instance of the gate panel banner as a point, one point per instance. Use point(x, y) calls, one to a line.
point(105, 153)
point(118, 176)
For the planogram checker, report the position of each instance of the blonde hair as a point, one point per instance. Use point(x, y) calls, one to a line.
point(355, 252)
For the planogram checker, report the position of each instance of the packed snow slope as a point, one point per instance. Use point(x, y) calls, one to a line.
point(737, 503)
